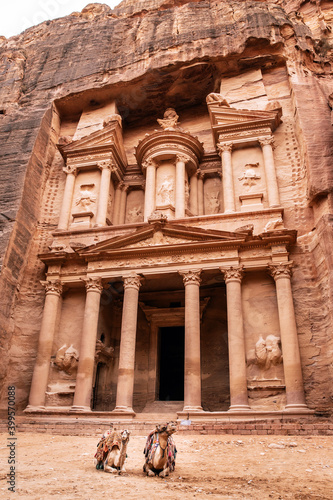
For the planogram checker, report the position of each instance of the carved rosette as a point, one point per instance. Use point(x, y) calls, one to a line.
point(182, 158)
point(233, 273)
point(191, 277)
point(70, 169)
point(266, 141)
point(281, 270)
point(133, 281)
point(53, 287)
point(225, 146)
point(93, 285)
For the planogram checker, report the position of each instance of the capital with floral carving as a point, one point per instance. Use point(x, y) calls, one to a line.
point(224, 147)
point(182, 158)
point(93, 284)
point(266, 141)
point(232, 273)
point(281, 270)
point(149, 162)
point(53, 287)
point(108, 164)
point(70, 169)
point(200, 174)
point(133, 281)
point(191, 277)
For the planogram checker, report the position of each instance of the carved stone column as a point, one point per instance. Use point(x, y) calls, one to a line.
point(117, 198)
point(236, 342)
point(123, 200)
point(124, 401)
point(150, 197)
point(267, 144)
point(181, 161)
point(42, 365)
point(201, 176)
point(85, 371)
point(194, 194)
point(104, 192)
point(228, 182)
point(192, 382)
point(289, 340)
point(67, 198)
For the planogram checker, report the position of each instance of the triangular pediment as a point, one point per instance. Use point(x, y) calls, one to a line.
point(109, 138)
point(160, 235)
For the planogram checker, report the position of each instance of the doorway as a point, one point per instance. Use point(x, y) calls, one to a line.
point(171, 365)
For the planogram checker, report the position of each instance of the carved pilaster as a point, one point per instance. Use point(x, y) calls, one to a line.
point(133, 281)
point(233, 273)
point(53, 287)
point(281, 270)
point(191, 277)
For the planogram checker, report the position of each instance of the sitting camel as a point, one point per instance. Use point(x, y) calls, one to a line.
point(160, 451)
point(111, 451)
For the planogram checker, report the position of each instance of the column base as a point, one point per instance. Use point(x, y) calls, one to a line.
point(31, 408)
point(124, 410)
point(80, 408)
point(239, 408)
point(192, 408)
point(296, 407)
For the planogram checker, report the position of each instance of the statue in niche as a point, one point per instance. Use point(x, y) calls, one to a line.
point(266, 353)
point(166, 191)
point(213, 202)
point(67, 359)
point(135, 215)
point(249, 176)
point(86, 196)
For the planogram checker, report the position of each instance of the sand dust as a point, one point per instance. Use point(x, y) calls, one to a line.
point(220, 467)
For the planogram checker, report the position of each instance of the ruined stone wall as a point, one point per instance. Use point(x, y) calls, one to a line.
point(147, 56)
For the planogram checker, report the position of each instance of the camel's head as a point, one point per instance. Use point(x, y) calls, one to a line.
point(125, 434)
point(171, 427)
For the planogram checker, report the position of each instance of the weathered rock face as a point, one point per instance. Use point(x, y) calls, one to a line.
point(147, 56)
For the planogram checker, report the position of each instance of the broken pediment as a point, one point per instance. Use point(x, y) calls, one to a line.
point(90, 148)
point(159, 235)
point(240, 123)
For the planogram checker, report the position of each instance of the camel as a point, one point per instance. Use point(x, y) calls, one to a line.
point(160, 451)
point(116, 445)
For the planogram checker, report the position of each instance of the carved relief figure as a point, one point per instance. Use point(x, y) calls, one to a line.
point(267, 353)
point(135, 215)
point(165, 192)
point(249, 176)
point(187, 193)
point(67, 359)
point(86, 196)
point(213, 202)
point(274, 224)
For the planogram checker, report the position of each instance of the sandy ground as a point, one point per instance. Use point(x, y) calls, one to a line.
point(224, 466)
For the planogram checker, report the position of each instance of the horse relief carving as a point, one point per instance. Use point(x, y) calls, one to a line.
point(266, 353)
point(135, 215)
point(67, 359)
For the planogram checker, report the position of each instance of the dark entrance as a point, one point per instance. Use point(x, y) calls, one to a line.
point(172, 341)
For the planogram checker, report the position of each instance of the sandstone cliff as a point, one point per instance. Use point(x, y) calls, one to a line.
point(169, 53)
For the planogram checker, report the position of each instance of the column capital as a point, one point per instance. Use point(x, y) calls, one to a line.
point(266, 141)
point(280, 270)
point(182, 158)
point(133, 281)
point(148, 162)
point(224, 146)
point(93, 284)
point(191, 277)
point(107, 164)
point(200, 174)
point(124, 187)
point(53, 287)
point(70, 169)
point(232, 273)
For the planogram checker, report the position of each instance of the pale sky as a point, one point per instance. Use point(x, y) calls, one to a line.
point(18, 15)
